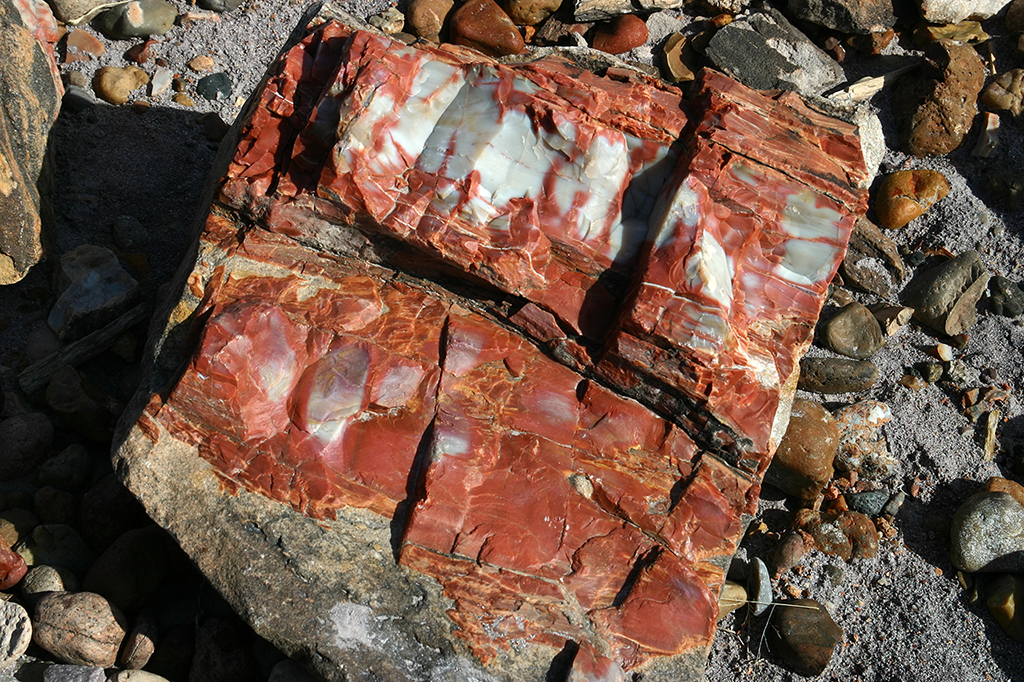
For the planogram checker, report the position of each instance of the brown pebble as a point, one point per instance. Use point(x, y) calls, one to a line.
point(531, 12)
point(905, 195)
point(183, 99)
point(426, 18)
point(484, 26)
point(621, 34)
point(115, 85)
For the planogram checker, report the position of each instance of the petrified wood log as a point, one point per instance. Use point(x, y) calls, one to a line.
point(533, 329)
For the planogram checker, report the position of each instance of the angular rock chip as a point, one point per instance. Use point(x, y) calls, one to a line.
point(763, 50)
point(530, 332)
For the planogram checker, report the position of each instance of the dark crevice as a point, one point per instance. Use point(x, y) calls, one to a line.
point(415, 486)
point(642, 564)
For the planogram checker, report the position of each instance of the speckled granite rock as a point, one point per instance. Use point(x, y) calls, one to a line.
point(30, 94)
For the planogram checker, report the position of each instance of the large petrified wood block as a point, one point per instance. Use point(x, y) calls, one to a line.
point(517, 341)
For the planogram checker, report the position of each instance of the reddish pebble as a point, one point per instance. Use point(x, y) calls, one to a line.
point(621, 34)
point(82, 46)
point(484, 26)
point(12, 566)
point(140, 53)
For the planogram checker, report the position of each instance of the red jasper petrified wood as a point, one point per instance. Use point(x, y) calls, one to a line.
point(548, 321)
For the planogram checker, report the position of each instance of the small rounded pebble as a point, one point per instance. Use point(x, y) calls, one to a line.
point(140, 644)
point(987, 534)
point(15, 632)
point(1005, 93)
point(854, 332)
point(759, 586)
point(16, 523)
point(68, 470)
point(115, 85)
point(12, 567)
point(804, 637)
point(140, 53)
point(214, 87)
point(42, 341)
point(389, 21)
point(869, 502)
point(202, 63)
point(836, 375)
point(847, 535)
point(484, 26)
point(732, 597)
point(788, 552)
point(42, 579)
point(532, 12)
point(57, 544)
point(53, 505)
point(24, 440)
point(680, 58)
point(183, 99)
point(621, 34)
point(79, 628)
point(1005, 297)
point(906, 195)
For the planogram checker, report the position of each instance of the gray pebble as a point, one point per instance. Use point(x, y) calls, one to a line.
point(892, 507)
point(220, 5)
point(41, 580)
point(57, 544)
point(868, 502)
point(137, 19)
point(15, 632)
point(1006, 297)
point(69, 470)
point(835, 375)
point(216, 86)
point(944, 297)
point(24, 440)
point(987, 534)
point(74, 673)
point(759, 586)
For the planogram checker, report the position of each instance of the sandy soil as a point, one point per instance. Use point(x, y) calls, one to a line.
point(904, 614)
